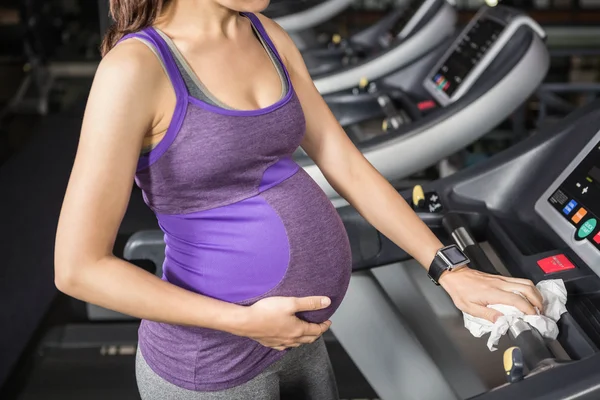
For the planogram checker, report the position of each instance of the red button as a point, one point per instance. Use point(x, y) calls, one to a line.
point(556, 263)
point(426, 105)
point(597, 238)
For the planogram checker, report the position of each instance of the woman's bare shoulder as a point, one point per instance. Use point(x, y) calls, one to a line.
point(130, 63)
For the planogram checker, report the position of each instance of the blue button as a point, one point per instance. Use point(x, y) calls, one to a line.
point(569, 207)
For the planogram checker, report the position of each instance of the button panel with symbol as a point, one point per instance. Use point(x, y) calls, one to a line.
point(557, 263)
point(570, 207)
point(426, 202)
point(582, 212)
point(577, 200)
point(587, 228)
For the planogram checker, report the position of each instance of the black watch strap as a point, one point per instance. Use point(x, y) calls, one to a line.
point(436, 269)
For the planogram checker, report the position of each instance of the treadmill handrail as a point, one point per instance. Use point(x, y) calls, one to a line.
point(313, 16)
point(458, 229)
point(530, 341)
point(404, 53)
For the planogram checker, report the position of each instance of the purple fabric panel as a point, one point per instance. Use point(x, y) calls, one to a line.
point(216, 160)
point(202, 359)
point(277, 173)
point(231, 253)
point(321, 260)
point(263, 33)
point(320, 263)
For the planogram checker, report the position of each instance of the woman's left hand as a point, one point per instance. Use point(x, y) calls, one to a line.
point(473, 290)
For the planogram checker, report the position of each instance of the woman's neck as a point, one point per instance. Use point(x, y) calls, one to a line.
point(204, 18)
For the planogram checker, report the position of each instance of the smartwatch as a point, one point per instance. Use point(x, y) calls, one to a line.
point(446, 259)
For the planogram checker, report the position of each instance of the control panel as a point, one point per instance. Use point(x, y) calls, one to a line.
point(412, 15)
point(473, 51)
point(467, 54)
point(571, 205)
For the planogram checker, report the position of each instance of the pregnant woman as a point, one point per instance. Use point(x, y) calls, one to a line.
point(203, 102)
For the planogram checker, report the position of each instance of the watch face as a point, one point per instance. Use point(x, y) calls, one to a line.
point(454, 255)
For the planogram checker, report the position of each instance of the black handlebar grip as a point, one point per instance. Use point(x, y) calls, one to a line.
point(533, 347)
point(457, 228)
point(480, 261)
point(453, 221)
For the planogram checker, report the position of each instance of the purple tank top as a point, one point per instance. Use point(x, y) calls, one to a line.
point(242, 222)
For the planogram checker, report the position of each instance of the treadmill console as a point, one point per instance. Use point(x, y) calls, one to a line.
point(472, 52)
point(571, 205)
point(412, 15)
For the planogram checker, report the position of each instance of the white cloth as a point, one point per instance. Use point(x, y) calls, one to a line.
point(555, 297)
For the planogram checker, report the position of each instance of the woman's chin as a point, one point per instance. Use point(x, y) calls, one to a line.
point(253, 6)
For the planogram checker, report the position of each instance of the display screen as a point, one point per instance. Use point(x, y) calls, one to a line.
point(577, 199)
point(467, 54)
point(454, 255)
point(407, 14)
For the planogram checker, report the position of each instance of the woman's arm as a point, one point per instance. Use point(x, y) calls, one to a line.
point(121, 108)
point(128, 97)
point(355, 179)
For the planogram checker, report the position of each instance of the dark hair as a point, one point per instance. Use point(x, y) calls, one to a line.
point(130, 16)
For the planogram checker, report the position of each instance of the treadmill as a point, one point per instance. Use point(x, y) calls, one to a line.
point(438, 105)
point(398, 40)
point(517, 214)
point(298, 17)
point(531, 211)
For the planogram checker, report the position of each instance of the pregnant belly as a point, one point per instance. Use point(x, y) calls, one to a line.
point(286, 241)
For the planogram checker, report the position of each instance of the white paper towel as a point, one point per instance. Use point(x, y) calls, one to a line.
point(555, 297)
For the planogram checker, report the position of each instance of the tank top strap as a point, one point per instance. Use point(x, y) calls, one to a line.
point(265, 36)
point(162, 49)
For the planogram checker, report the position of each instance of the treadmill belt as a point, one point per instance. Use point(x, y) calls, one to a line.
point(75, 374)
point(82, 374)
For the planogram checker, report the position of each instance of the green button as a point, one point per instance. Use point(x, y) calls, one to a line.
point(587, 228)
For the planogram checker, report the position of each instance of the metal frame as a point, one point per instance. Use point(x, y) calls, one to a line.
point(416, 19)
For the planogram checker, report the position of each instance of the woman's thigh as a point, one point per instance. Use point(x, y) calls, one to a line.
point(306, 373)
point(153, 387)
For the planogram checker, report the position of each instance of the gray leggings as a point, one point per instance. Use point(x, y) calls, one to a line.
point(304, 373)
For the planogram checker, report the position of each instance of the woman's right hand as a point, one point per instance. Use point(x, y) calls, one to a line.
point(273, 323)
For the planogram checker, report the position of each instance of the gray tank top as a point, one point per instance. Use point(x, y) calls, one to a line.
point(194, 85)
